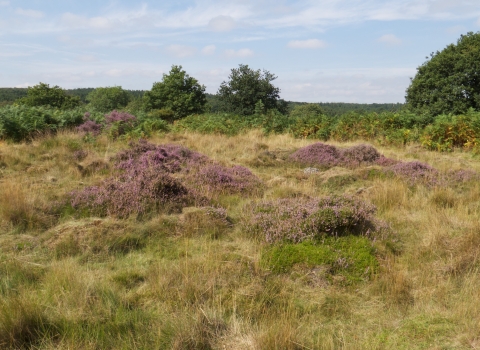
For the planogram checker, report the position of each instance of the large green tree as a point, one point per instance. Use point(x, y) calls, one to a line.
point(448, 82)
point(245, 87)
point(44, 95)
point(106, 99)
point(178, 92)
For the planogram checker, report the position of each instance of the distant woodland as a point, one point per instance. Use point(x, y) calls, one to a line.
point(9, 95)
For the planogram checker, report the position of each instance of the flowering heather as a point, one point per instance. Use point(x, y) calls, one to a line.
point(119, 123)
point(218, 178)
point(317, 154)
point(120, 117)
point(144, 181)
point(297, 220)
point(322, 155)
point(171, 158)
point(133, 192)
point(359, 154)
point(414, 172)
point(384, 161)
point(90, 127)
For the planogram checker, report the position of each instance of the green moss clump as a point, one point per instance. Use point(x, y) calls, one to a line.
point(352, 257)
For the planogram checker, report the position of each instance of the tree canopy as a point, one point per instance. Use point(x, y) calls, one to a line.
point(448, 82)
point(178, 92)
point(245, 87)
point(106, 99)
point(44, 95)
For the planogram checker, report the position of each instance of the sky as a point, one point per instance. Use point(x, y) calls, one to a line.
point(361, 51)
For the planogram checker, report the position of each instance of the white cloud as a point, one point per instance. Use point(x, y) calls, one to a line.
point(29, 13)
point(390, 39)
point(221, 24)
point(239, 53)
point(209, 50)
point(87, 58)
point(181, 50)
point(478, 22)
point(455, 30)
point(307, 44)
point(74, 21)
point(24, 85)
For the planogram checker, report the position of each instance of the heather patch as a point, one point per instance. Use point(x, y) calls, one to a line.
point(90, 127)
point(217, 178)
point(167, 158)
point(317, 154)
point(359, 154)
point(327, 156)
point(415, 172)
point(119, 123)
point(161, 177)
point(137, 191)
point(299, 219)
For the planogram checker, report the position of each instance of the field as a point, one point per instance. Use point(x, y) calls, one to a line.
point(216, 261)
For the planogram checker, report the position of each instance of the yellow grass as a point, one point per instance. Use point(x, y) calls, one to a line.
point(166, 283)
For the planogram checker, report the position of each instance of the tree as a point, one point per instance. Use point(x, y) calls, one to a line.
point(106, 99)
point(178, 92)
point(245, 88)
point(44, 95)
point(449, 82)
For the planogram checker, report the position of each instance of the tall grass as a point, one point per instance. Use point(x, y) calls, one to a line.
point(196, 279)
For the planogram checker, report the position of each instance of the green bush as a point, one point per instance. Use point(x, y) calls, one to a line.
point(107, 99)
point(20, 122)
point(449, 131)
point(46, 96)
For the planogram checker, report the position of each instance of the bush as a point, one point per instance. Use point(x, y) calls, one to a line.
point(221, 179)
point(415, 172)
point(448, 132)
point(317, 154)
point(178, 92)
point(23, 122)
point(357, 155)
point(106, 99)
point(42, 95)
point(297, 220)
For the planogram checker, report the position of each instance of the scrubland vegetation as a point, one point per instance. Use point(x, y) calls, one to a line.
point(253, 241)
point(162, 222)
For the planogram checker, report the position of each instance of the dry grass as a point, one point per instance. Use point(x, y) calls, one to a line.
point(186, 282)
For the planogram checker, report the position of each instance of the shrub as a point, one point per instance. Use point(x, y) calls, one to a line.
point(90, 127)
point(218, 178)
point(119, 123)
point(106, 99)
point(322, 155)
point(295, 220)
point(415, 172)
point(357, 155)
point(136, 191)
point(317, 154)
point(145, 183)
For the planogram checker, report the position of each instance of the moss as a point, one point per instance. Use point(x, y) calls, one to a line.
point(352, 257)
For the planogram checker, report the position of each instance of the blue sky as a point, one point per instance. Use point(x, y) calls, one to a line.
point(322, 51)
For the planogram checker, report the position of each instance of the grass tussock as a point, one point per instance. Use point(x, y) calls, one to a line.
point(190, 241)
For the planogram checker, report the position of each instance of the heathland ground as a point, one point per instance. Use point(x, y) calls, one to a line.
point(203, 273)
